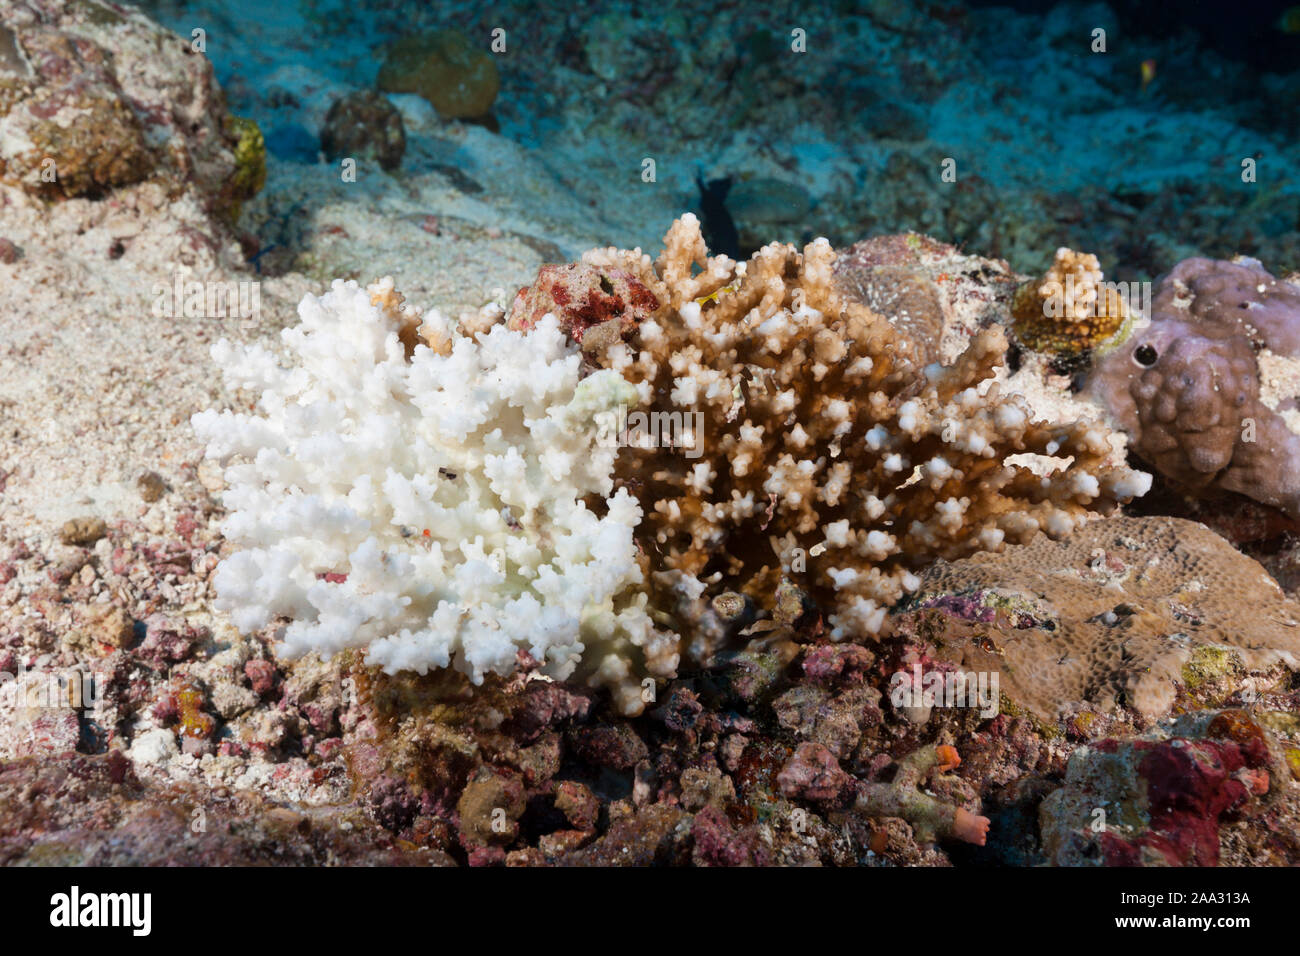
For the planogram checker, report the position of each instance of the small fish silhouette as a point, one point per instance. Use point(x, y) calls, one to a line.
point(1148, 73)
point(719, 228)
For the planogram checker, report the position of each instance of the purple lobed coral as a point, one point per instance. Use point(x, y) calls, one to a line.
point(1186, 388)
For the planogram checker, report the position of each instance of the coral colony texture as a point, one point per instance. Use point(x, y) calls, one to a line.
point(428, 506)
point(555, 435)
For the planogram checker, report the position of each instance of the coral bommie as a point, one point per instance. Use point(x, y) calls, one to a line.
point(450, 496)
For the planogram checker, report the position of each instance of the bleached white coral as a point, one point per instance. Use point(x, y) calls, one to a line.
point(427, 503)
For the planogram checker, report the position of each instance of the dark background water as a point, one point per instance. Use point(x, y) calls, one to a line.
point(1053, 144)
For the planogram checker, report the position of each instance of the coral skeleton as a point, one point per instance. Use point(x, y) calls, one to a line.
point(426, 503)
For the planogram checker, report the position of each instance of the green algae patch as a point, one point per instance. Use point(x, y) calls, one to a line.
point(98, 14)
point(1049, 730)
point(1210, 665)
point(250, 163)
point(1281, 722)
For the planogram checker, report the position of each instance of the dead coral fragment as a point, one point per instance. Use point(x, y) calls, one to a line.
point(808, 444)
point(83, 532)
point(1069, 311)
point(589, 302)
point(95, 97)
point(813, 773)
point(929, 816)
point(364, 123)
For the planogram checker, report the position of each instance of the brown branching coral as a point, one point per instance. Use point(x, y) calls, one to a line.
point(808, 442)
point(409, 320)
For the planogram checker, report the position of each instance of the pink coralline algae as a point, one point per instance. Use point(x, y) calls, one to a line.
point(261, 676)
point(579, 805)
point(50, 731)
point(813, 773)
point(825, 663)
point(717, 842)
point(584, 297)
point(1163, 802)
point(616, 746)
point(167, 640)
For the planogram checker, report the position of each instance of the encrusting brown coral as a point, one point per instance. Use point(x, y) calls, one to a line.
point(1127, 611)
point(1069, 311)
point(795, 434)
